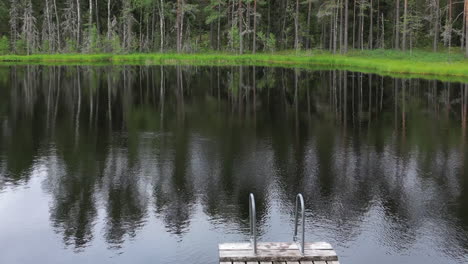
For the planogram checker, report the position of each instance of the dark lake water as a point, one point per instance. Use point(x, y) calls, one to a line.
point(151, 164)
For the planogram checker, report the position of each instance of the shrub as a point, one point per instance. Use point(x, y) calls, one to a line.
point(4, 45)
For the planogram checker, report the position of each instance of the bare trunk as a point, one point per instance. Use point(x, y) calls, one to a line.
point(346, 17)
point(49, 26)
point(354, 25)
point(241, 41)
point(450, 24)
point(109, 19)
point(58, 24)
point(161, 24)
point(309, 12)
point(218, 43)
point(405, 24)
point(90, 13)
point(371, 24)
point(466, 28)
point(397, 25)
point(78, 22)
point(296, 27)
point(179, 25)
point(254, 45)
point(436, 25)
point(97, 15)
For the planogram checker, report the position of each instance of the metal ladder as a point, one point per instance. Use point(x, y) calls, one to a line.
point(253, 226)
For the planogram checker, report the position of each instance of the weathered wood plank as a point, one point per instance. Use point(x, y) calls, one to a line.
point(293, 262)
point(277, 255)
point(266, 262)
point(307, 262)
point(252, 262)
point(269, 245)
point(320, 262)
point(225, 262)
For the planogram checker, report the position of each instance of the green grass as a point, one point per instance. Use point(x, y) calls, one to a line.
point(419, 64)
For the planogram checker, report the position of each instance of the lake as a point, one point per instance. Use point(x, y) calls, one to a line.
point(154, 164)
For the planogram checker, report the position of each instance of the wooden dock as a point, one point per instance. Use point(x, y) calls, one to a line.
point(277, 253)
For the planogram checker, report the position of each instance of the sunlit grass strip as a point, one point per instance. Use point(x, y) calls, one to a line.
point(416, 64)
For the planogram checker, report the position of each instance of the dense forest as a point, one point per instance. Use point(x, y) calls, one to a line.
point(124, 26)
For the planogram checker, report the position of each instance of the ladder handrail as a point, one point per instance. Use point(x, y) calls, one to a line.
point(253, 226)
point(300, 199)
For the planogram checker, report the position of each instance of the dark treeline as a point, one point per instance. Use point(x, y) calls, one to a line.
point(91, 26)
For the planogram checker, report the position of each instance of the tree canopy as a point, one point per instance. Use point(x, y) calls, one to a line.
point(91, 26)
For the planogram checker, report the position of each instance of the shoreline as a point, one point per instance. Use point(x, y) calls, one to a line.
point(425, 65)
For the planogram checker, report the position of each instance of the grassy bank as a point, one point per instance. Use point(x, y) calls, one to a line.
point(419, 64)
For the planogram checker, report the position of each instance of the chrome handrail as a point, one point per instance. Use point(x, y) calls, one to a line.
point(300, 199)
point(253, 227)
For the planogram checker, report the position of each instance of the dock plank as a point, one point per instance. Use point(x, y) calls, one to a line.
point(279, 246)
point(277, 255)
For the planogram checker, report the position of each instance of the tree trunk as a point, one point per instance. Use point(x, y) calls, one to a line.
point(382, 39)
point(161, 24)
point(90, 24)
point(397, 25)
point(241, 36)
point(97, 16)
point(109, 19)
point(254, 44)
point(346, 17)
point(179, 25)
point(405, 24)
point(90, 13)
point(78, 23)
point(354, 24)
point(436, 25)
point(58, 25)
point(371, 24)
point(450, 24)
point(309, 13)
point(340, 14)
point(335, 29)
point(466, 28)
point(296, 27)
point(49, 27)
point(218, 43)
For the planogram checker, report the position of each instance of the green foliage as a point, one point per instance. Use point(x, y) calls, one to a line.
point(234, 39)
point(115, 44)
point(4, 45)
point(20, 46)
point(71, 45)
point(45, 46)
point(269, 43)
point(94, 40)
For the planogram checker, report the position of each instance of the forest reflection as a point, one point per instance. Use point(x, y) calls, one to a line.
point(159, 140)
